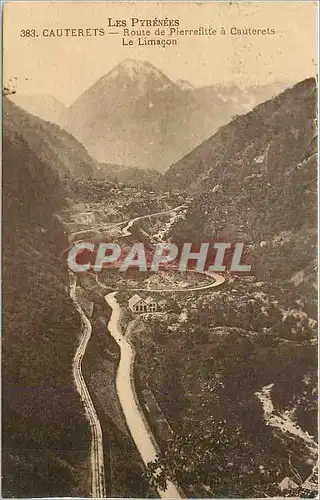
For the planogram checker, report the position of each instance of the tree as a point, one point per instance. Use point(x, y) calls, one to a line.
point(218, 455)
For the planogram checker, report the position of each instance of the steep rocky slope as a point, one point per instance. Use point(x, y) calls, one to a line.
point(235, 369)
point(45, 435)
point(52, 144)
point(255, 180)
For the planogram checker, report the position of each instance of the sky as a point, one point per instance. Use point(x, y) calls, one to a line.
point(65, 67)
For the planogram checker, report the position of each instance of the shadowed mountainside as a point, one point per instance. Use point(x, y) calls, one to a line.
point(255, 181)
point(44, 431)
point(50, 143)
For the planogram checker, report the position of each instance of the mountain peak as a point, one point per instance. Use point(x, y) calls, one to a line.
point(134, 66)
point(135, 70)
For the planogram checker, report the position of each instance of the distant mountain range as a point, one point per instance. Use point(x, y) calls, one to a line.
point(254, 180)
point(60, 149)
point(128, 175)
point(137, 117)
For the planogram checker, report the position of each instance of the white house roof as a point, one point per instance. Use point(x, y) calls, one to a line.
point(134, 300)
point(149, 300)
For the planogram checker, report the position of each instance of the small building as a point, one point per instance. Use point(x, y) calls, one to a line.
point(139, 305)
point(152, 304)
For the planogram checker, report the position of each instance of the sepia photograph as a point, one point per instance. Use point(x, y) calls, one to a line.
point(160, 249)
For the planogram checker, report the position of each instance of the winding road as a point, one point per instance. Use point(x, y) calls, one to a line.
point(98, 486)
point(218, 280)
point(138, 427)
point(133, 414)
point(125, 230)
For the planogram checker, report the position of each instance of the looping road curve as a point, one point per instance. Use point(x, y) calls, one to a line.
point(133, 414)
point(136, 422)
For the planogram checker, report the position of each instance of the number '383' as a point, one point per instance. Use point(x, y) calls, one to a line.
point(28, 33)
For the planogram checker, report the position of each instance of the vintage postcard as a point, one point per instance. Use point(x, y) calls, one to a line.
point(159, 313)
